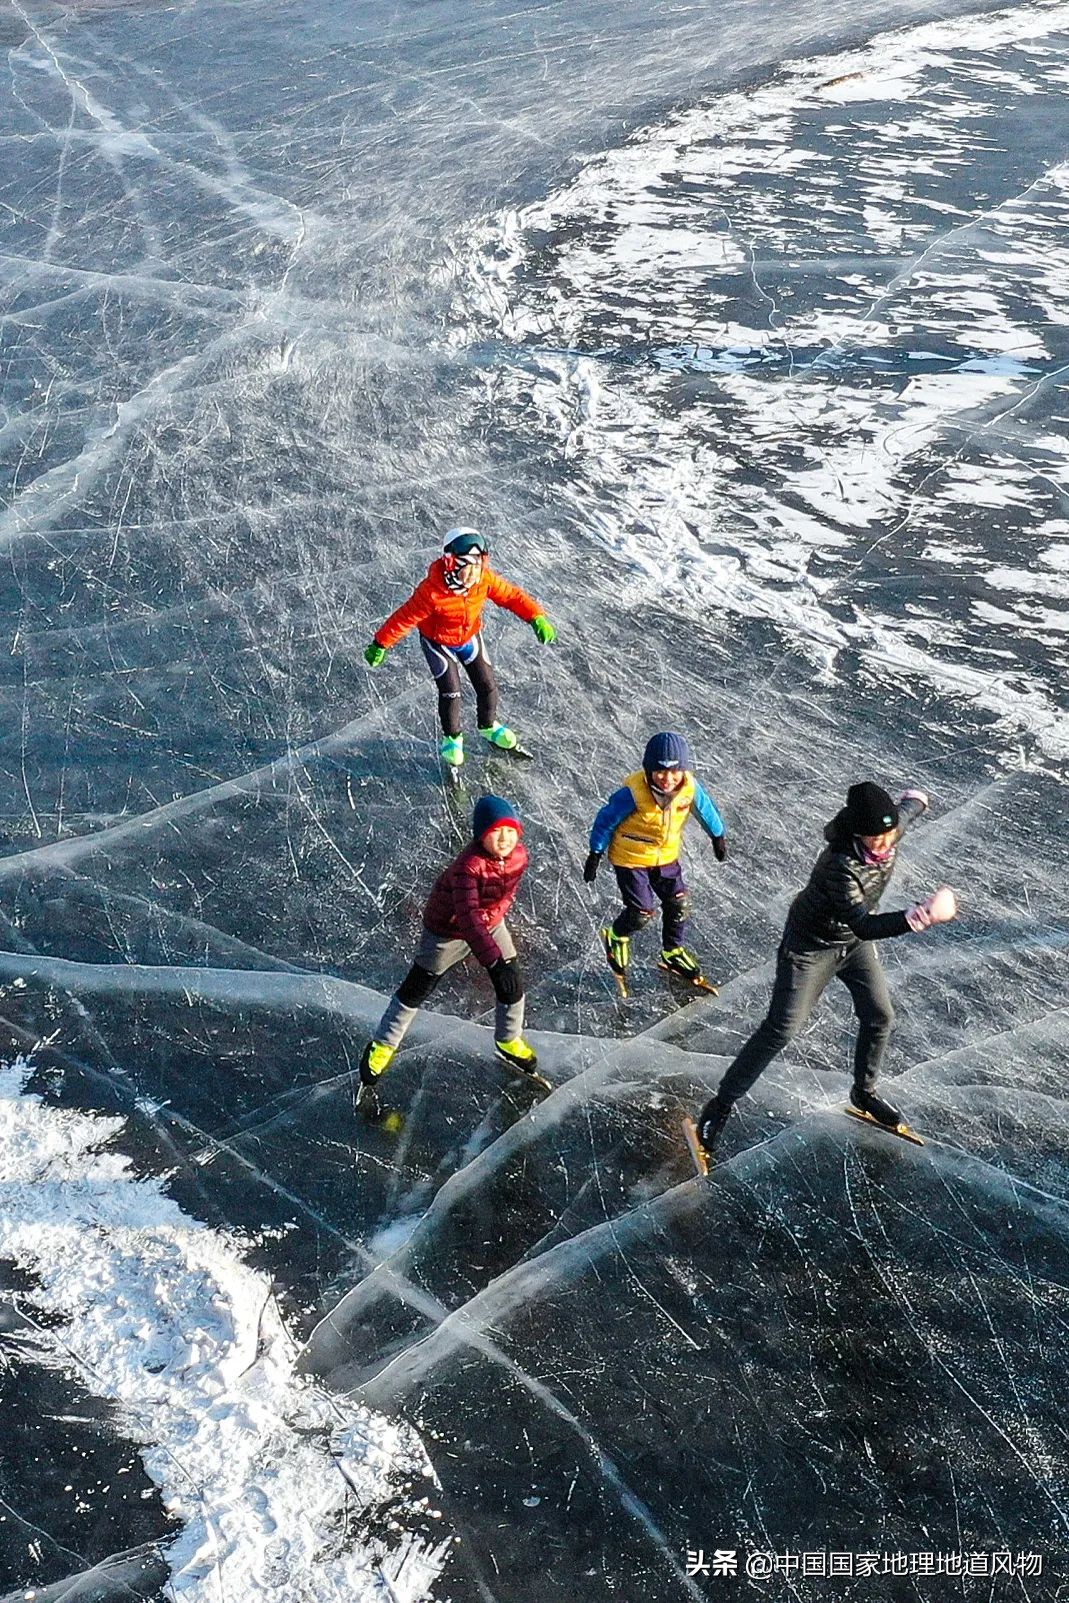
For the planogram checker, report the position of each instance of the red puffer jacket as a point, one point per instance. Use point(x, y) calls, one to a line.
point(447, 616)
point(473, 896)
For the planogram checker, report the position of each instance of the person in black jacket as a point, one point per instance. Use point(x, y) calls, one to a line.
point(831, 927)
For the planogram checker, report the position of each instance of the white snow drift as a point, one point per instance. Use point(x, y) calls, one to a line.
point(268, 1474)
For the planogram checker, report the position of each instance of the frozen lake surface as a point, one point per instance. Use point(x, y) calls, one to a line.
point(745, 335)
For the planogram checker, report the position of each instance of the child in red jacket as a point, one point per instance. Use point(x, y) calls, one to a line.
point(466, 914)
point(447, 609)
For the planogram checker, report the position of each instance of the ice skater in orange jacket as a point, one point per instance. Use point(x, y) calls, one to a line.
point(447, 609)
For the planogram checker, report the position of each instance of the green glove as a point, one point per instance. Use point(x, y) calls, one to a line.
point(375, 655)
point(544, 630)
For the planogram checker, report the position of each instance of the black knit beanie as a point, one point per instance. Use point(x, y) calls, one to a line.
point(869, 810)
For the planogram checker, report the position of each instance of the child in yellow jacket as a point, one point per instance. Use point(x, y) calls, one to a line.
point(641, 825)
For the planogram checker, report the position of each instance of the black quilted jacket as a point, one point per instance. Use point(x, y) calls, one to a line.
point(838, 905)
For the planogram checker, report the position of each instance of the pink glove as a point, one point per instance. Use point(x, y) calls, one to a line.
point(939, 908)
point(915, 795)
point(942, 906)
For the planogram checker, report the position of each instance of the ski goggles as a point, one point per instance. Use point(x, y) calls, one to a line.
point(465, 542)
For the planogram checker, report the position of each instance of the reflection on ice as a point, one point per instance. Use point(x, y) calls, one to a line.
point(773, 1366)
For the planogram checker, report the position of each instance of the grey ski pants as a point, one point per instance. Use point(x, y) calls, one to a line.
point(435, 956)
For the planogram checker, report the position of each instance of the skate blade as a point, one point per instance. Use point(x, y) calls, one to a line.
point(368, 1104)
point(903, 1131)
point(698, 983)
point(452, 778)
point(694, 1146)
point(530, 1076)
point(520, 753)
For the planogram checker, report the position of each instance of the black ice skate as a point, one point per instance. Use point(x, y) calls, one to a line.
point(701, 1138)
point(871, 1109)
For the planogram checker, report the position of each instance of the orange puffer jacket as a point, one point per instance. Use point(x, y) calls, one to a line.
point(447, 616)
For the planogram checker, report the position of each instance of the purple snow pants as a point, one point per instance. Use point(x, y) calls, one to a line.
point(642, 889)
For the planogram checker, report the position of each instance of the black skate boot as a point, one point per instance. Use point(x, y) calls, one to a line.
point(872, 1109)
point(875, 1107)
point(703, 1136)
point(683, 965)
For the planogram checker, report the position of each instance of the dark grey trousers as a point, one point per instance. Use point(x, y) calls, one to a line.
point(802, 973)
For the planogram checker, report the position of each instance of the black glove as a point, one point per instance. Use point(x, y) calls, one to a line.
point(590, 867)
point(507, 980)
point(720, 847)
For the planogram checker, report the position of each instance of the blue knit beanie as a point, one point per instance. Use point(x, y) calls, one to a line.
point(666, 751)
point(490, 812)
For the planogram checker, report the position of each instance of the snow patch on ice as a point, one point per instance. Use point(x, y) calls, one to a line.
point(269, 1474)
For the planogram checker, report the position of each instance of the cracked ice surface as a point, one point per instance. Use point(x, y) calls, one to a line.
point(748, 347)
point(158, 1314)
point(808, 361)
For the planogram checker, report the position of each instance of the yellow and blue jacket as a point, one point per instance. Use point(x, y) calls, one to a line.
point(640, 833)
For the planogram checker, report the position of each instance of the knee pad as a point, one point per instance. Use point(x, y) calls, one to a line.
point(416, 986)
point(634, 918)
point(679, 905)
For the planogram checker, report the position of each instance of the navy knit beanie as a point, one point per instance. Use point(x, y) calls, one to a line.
point(490, 811)
point(666, 751)
point(869, 810)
